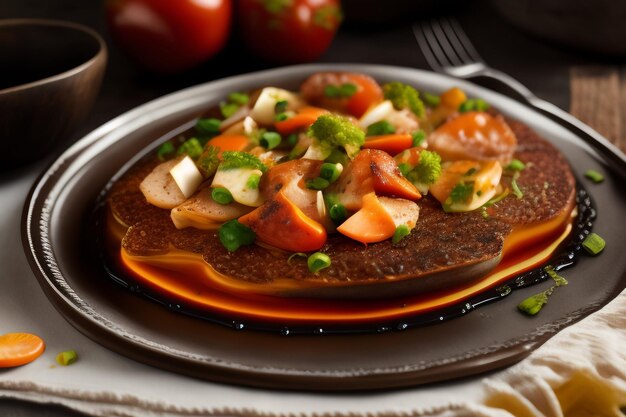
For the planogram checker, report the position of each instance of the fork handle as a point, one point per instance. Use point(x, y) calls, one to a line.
point(565, 119)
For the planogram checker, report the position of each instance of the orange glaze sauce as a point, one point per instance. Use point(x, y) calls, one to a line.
point(185, 278)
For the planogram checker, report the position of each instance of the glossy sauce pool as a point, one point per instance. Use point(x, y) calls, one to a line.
point(183, 282)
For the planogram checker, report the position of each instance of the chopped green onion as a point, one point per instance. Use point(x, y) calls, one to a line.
point(431, 100)
point(221, 195)
point(238, 98)
point(253, 181)
point(233, 235)
point(481, 105)
point(516, 190)
point(270, 140)
point(382, 127)
point(297, 254)
point(280, 117)
point(534, 303)
point(318, 183)
point(228, 109)
point(280, 106)
point(516, 165)
point(318, 261)
point(340, 91)
point(208, 127)
point(338, 213)
point(292, 139)
point(594, 244)
point(594, 176)
point(401, 232)
point(165, 149)
point(67, 358)
point(191, 147)
point(331, 172)
point(418, 138)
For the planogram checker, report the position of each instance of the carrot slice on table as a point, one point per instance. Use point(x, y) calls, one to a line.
point(392, 144)
point(19, 349)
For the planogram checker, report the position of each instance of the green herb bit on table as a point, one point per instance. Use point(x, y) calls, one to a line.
point(67, 358)
point(594, 176)
point(594, 244)
point(533, 304)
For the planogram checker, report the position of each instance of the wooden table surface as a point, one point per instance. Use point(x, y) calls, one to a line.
point(595, 85)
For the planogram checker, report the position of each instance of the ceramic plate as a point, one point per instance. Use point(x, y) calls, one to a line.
point(494, 335)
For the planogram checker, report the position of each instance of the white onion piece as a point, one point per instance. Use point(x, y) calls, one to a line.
point(187, 176)
point(401, 211)
point(264, 112)
point(235, 180)
point(377, 113)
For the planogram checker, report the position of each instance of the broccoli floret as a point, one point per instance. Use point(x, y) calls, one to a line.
point(332, 131)
point(426, 172)
point(429, 168)
point(404, 96)
point(235, 159)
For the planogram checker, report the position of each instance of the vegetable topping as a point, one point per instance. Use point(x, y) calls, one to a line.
point(284, 169)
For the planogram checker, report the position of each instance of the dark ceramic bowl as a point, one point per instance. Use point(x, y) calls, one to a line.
point(51, 74)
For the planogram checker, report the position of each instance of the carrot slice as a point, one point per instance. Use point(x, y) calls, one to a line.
point(388, 180)
point(303, 119)
point(281, 224)
point(230, 143)
point(453, 98)
point(372, 223)
point(19, 349)
point(392, 144)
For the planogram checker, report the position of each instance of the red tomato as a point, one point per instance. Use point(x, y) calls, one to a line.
point(288, 31)
point(167, 36)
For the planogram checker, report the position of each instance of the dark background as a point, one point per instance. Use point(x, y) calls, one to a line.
point(541, 65)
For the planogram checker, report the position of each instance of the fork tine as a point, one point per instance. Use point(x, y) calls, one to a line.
point(462, 39)
point(455, 43)
point(444, 42)
point(431, 49)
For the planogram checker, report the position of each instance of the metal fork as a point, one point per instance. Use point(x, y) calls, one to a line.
point(448, 50)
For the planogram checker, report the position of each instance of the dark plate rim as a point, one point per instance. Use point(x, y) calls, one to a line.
point(40, 254)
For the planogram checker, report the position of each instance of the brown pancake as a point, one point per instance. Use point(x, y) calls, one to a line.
point(442, 244)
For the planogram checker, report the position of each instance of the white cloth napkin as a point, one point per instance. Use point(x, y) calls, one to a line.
point(579, 372)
